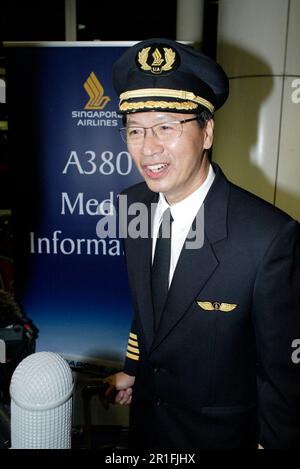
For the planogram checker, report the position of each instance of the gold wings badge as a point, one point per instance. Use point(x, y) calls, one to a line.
point(216, 306)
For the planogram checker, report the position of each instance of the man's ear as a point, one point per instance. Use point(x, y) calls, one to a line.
point(209, 134)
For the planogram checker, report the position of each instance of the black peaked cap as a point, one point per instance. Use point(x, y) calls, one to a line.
point(162, 74)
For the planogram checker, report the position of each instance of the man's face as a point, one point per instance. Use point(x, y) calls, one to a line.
point(178, 166)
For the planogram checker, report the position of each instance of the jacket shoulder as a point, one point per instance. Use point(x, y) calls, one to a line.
point(259, 209)
point(255, 220)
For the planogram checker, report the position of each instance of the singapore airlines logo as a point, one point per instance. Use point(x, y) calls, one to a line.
point(95, 112)
point(95, 92)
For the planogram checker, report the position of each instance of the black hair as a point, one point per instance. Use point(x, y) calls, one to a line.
point(203, 117)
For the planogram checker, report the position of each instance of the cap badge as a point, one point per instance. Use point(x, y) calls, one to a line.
point(162, 59)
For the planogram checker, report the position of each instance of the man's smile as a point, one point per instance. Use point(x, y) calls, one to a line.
point(155, 171)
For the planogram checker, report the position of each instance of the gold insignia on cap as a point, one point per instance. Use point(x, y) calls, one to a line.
point(157, 59)
point(179, 106)
point(156, 66)
point(189, 101)
point(143, 57)
point(216, 306)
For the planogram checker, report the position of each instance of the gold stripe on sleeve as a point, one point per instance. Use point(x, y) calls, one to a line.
point(133, 342)
point(132, 335)
point(133, 350)
point(133, 357)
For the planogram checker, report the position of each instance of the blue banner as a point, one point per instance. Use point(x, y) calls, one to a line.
point(69, 164)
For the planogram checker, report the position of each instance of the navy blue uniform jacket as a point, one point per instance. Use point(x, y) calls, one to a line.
point(218, 373)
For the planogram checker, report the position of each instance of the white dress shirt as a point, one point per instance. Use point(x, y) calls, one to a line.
point(183, 214)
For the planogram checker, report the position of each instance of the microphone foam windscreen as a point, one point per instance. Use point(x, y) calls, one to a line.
point(41, 402)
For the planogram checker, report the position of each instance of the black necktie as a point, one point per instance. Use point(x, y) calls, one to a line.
point(161, 267)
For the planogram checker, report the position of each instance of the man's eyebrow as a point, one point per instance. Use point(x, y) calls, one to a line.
point(134, 123)
point(161, 120)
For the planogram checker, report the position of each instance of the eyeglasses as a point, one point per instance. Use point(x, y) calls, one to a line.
point(164, 132)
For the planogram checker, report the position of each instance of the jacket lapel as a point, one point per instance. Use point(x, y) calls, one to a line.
point(141, 252)
point(195, 266)
point(192, 272)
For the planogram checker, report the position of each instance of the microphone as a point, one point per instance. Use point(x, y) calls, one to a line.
point(41, 402)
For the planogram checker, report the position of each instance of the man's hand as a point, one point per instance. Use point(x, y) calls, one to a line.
point(120, 388)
